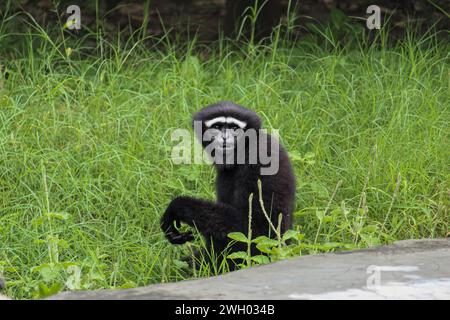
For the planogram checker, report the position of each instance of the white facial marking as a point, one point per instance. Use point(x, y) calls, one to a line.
point(209, 123)
point(239, 123)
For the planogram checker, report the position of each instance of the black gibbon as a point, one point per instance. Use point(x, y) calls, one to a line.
point(225, 126)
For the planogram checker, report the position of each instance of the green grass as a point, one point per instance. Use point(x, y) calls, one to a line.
point(85, 168)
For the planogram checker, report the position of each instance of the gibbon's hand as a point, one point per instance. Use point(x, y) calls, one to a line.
point(176, 213)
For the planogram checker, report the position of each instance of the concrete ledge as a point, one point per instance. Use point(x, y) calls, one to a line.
point(411, 269)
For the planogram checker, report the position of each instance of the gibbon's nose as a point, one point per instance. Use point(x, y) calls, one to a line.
point(226, 138)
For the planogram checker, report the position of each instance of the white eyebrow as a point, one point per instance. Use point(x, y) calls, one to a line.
point(241, 124)
point(209, 123)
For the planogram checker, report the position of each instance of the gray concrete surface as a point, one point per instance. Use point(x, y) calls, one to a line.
point(412, 269)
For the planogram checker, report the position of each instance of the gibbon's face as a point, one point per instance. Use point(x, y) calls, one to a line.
point(225, 128)
point(224, 132)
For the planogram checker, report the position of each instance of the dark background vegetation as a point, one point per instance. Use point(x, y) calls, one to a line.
point(206, 18)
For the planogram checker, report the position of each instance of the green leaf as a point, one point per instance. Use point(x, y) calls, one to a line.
point(295, 156)
point(350, 246)
point(36, 222)
point(301, 213)
point(307, 158)
point(281, 253)
point(260, 239)
point(269, 242)
point(260, 259)
point(264, 249)
point(48, 271)
point(128, 285)
point(238, 236)
point(331, 245)
point(370, 229)
point(290, 234)
point(370, 239)
point(238, 255)
point(45, 291)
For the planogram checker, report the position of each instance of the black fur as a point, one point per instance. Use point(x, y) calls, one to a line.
point(234, 185)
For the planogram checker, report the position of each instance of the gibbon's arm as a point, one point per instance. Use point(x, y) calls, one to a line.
point(213, 220)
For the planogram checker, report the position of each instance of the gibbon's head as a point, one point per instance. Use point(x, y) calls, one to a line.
point(223, 124)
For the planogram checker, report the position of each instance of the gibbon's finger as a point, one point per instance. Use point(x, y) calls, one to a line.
point(178, 224)
point(188, 236)
point(179, 238)
point(184, 237)
point(167, 226)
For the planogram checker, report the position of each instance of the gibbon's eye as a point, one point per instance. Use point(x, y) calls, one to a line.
point(216, 126)
point(235, 130)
